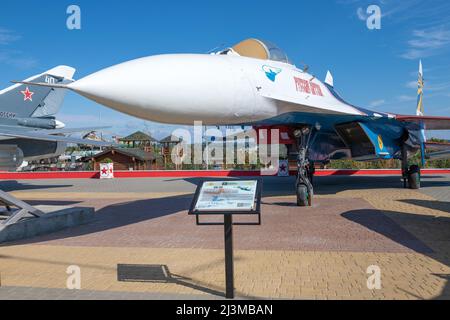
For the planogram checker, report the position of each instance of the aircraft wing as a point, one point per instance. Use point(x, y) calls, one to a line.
point(72, 130)
point(438, 146)
point(430, 123)
point(437, 150)
point(40, 135)
point(439, 155)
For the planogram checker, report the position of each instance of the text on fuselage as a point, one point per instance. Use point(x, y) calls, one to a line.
point(309, 87)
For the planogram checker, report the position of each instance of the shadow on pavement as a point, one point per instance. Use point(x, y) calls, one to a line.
point(430, 204)
point(118, 215)
point(161, 274)
point(12, 185)
point(433, 232)
point(336, 184)
point(445, 294)
point(284, 186)
point(375, 220)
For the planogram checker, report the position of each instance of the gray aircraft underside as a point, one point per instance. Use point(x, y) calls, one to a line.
point(29, 129)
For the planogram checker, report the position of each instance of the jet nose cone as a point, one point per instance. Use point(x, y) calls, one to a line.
point(168, 88)
point(110, 86)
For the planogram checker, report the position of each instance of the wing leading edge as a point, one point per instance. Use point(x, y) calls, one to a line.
point(41, 135)
point(429, 122)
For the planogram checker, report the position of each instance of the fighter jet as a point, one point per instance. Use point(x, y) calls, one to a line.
point(28, 127)
point(255, 84)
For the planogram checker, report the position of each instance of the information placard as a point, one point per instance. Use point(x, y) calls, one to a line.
point(227, 196)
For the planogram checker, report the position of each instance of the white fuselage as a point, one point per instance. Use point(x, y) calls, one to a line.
point(215, 89)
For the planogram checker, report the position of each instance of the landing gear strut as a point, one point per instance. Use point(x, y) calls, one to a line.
point(303, 185)
point(411, 174)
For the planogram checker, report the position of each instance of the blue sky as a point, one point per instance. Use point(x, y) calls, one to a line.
point(376, 69)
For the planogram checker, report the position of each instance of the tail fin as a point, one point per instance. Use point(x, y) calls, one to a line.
point(420, 110)
point(24, 101)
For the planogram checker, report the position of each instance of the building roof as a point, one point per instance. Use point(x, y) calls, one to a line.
point(170, 139)
point(138, 136)
point(137, 153)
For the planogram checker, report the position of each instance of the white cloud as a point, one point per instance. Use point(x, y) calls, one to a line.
point(427, 42)
point(13, 57)
point(437, 87)
point(88, 119)
point(16, 59)
point(377, 103)
point(430, 86)
point(406, 98)
point(361, 14)
point(412, 84)
point(431, 33)
point(7, 36)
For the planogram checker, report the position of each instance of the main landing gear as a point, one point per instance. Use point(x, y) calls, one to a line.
point(305, 171)
point(410, 174)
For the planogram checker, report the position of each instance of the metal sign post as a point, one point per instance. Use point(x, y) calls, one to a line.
point(229, 258)
point(228, 198)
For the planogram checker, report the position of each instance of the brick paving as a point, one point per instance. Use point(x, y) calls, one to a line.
point(331, 225)
point(24, 293)
point(319, 253)
point(438, 190)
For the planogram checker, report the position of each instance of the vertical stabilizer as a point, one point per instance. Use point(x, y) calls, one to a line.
point(329, 79)
point(25, 101)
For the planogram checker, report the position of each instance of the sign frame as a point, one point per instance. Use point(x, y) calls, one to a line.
point(255, 212)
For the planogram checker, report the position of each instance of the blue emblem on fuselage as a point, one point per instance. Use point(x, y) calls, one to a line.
point(271, 72)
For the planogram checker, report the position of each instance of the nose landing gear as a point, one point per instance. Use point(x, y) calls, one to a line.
point(303, 186)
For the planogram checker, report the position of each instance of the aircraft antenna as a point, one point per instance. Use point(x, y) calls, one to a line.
point(215, 49)
point(305, 67)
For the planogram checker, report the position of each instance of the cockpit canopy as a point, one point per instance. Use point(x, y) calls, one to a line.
point(258, 49)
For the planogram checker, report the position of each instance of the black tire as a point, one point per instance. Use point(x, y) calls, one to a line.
point(414, 177)
point(414, 180)
point(303, 198)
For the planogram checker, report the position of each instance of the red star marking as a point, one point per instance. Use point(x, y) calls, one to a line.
point(27, 94)
point(104, 171)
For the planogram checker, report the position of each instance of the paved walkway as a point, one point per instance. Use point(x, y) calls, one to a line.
point(24, 293)
point(321, 252)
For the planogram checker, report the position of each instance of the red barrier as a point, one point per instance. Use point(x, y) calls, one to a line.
point(48, 175)
point(196, 174)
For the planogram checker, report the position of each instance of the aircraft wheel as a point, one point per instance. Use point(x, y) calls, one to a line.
point(304, 198)
point(414, 177)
